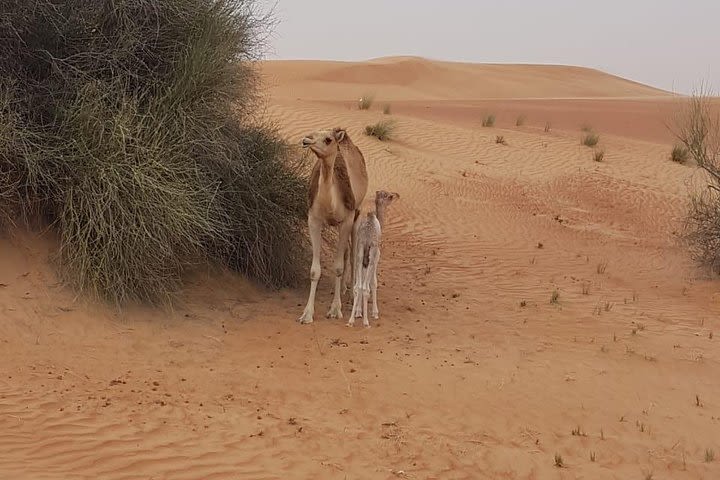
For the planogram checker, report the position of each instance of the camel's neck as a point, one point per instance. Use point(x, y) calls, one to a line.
point(327, 168)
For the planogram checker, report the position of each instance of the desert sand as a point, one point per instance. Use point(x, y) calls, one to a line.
point(472, 372)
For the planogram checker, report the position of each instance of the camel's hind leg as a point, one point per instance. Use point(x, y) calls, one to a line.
point(359, 271)
point(349, 256)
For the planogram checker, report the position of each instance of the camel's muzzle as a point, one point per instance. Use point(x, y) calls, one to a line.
point(307, 142)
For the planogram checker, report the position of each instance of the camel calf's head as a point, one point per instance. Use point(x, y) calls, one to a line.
point(383, 198)
point(324, 143)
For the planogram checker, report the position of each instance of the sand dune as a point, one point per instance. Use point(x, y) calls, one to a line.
point(470, 373)
point(409, 78)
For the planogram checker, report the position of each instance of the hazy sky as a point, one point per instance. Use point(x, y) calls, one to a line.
point(671, 44)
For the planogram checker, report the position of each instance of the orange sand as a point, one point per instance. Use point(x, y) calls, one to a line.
point(458, 379)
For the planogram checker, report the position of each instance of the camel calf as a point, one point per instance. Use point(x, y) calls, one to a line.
point(366, 256)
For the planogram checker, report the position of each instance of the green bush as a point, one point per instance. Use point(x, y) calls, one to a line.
point(382, 130)
point(697, 127)
point(128, 127)
point(365, 102)
point(679, 154)
point(590, 140)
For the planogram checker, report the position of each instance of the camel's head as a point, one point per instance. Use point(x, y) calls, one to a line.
point(324, 143)
point(385, 198)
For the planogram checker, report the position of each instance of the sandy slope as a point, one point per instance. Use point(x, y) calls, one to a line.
point(410, 78)
point(471, 371)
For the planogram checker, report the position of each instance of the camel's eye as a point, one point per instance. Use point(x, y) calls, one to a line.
point(328, 141)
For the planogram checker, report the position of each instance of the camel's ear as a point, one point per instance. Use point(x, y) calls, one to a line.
point(339, 134)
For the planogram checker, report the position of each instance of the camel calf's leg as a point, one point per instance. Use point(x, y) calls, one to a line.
point(373, 286)
point(367, 281)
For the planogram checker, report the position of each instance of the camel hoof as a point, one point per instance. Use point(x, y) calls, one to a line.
point(350, 323)
point(305, 319)
point(335, 312)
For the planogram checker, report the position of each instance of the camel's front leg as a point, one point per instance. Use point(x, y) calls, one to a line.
point(315, 227)
point(345, 232)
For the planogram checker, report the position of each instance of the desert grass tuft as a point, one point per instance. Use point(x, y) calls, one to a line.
point(387, 109)
point(679, 154)
point(548, 127)
point(130, 129)
point(558, 461)
point(602, 267)
point(590, 139)
point(382, 130)
point(555, 297)
point(599, 155)
point(365, 102)
point(709, 455)
point(520, 121)
point(488, 121)
point(500, 140)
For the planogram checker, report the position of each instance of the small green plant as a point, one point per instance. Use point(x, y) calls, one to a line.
point(365, 102)
point(599, 155)
point(548, 127)
point(387, 109)
point(488, 121)
point(500, 140)
point(593, 457)
point(590, 139)
point(382, 130)
point(555, 298)
point(559, 463)
point(709, 455)
point(679, 154)
point(520, 121)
